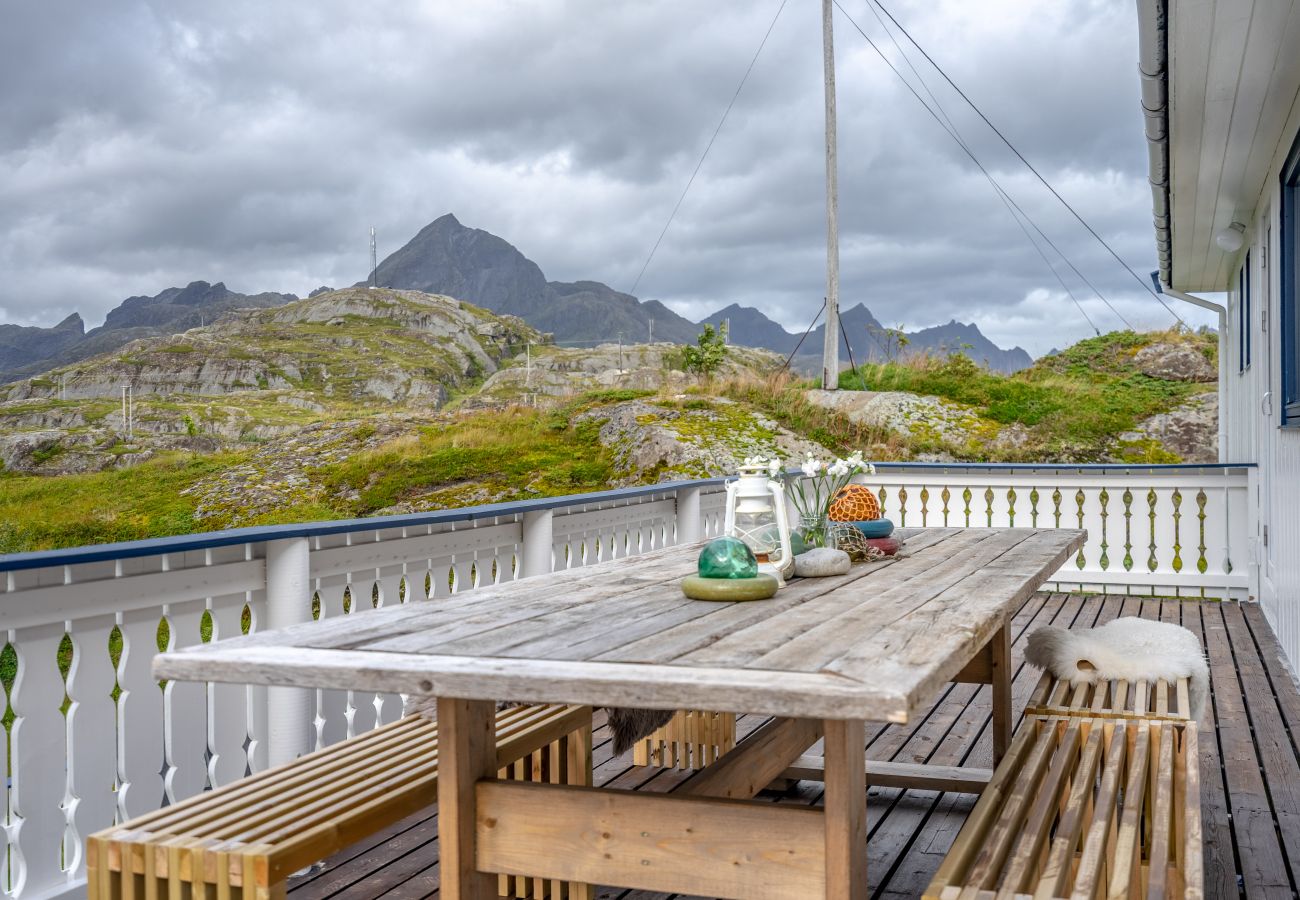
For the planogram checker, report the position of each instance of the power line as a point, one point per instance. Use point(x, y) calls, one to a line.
point(1012, 147)
point(707, 148)
point(808, 331)
point(1008, 201)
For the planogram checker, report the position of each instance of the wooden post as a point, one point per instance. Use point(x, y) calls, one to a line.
point(538, 540)
point(689, 524)
point(288, 602)
point(466, 754)
point(831, 347)
point(846, 810)
point(1000, 646)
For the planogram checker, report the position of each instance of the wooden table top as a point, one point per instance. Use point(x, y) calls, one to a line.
point(874, 644)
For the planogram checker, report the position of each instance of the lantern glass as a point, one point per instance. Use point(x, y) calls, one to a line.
point(756, 525)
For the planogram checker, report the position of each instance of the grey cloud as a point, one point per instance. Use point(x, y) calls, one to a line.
point(146, 144)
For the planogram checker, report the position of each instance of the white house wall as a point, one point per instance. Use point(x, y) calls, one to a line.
point(1254, 415)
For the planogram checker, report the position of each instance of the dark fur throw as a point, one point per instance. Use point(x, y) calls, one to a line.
point(627, 725)
point(630, 725)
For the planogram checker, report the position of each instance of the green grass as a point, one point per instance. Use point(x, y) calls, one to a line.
point(512, 454)
point(41, 513)
point(1074, 401)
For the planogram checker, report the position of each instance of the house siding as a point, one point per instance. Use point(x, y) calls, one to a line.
point(1253, 411)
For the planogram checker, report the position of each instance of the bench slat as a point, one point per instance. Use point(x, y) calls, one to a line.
point(244, 840)
point(1084, 807)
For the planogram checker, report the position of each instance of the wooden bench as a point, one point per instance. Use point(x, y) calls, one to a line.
point(1139, 700)
point(245, 839)
point(1105, 807)
point(693, 739)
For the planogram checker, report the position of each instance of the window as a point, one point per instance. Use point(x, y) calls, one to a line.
point(1290, 295)
point(1243, 316)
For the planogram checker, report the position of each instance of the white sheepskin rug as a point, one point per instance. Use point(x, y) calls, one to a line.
point(1128, 649)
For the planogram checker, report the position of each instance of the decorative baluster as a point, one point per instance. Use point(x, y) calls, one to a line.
point(140, 716)
point(88, 805)
point(946, 495)
point(226, 725)
point(1152, 562)
point(925, 506)
point(966, 497)
point(9, 824)
point(330, 721)
point(1080, 560)
point(1202, 564)
point(902, 506)
point(1127, 498)
point(1178, 517)
point(1104, 559)
point(251, 618)
point(362, 707)
point(1056, 507)
point(38, 766)
point(988, 506)
point(388, 706)
point(1033, 507)
point(1011, 507)
point(184, 711)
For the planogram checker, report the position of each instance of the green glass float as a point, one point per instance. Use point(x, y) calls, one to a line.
point(727, 557)
point(728, 571)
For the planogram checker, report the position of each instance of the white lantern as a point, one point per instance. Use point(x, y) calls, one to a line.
point(756, 515)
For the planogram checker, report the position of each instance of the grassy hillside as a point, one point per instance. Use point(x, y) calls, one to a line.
point(509, 454)
point(383, 458)
point(1072, 403)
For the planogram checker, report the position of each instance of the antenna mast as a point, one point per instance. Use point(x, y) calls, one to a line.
point(831, 348)
point(374, 260)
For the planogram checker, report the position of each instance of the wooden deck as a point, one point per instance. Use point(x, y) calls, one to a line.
point(1250, 764)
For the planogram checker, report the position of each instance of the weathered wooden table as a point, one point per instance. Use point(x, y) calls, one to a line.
point(823, 657)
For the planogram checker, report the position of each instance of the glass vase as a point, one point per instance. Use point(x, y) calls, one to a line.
point(815, 530)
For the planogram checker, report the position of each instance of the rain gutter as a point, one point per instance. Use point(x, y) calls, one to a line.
point(1153, 61)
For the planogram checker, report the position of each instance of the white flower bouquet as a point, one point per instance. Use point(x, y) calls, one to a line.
point(812, 491)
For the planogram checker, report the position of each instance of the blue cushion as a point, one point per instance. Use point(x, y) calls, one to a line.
point(875, 528)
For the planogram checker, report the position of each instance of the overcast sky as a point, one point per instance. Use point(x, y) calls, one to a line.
point(148, 144)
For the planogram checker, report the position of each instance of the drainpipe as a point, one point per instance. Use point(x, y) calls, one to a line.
point(1153, 59)
point(1223, 357)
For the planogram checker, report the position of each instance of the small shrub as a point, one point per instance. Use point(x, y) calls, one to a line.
point(707, 356)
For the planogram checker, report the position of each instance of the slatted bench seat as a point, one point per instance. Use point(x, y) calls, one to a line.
point(1086, 808)
point(1138, 700)
point(246, 838)
point(693, 739)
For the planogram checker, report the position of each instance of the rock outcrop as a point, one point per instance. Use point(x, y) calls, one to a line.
point(256, 375)
point(911, 415)
point(550, 371)
point(690, 437)
point(1189, 431)
point(1175, 362)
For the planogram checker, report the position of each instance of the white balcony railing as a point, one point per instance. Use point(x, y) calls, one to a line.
point(93, 738)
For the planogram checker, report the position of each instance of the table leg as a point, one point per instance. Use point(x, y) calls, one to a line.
point(1000, 649)
point(466, 753)
point(846, 810)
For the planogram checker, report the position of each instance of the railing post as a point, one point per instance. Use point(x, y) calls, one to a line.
point(539, 539)
point(288, 602)
point(690, 527)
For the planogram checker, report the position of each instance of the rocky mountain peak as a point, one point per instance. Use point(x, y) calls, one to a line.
point(72, 323)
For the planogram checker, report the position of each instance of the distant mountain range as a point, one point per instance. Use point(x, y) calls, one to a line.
point(470, 264)
point(26, 351)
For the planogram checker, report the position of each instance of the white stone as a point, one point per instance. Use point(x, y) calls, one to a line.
point(821, 561)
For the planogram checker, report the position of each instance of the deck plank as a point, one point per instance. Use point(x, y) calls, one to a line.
point(1263, 867)
point(1250, 806)
point(1279, 764)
